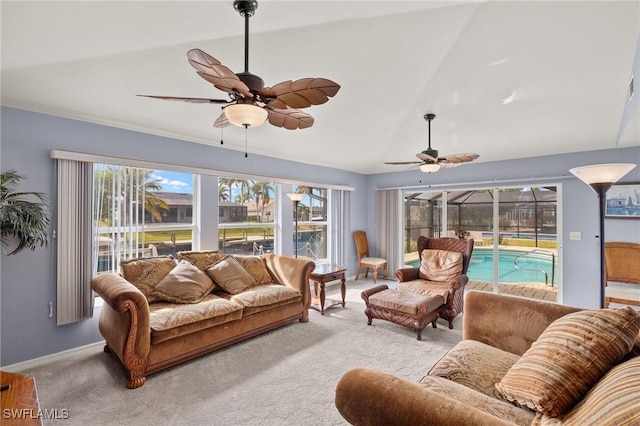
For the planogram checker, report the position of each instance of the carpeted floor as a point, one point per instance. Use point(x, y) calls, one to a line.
point(284, 377)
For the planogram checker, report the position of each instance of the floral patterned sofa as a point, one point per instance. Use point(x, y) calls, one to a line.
point(160, 312)
point(521, 362)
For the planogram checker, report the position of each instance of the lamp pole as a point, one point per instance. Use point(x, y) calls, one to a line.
point(296, 198)
point(601, 177)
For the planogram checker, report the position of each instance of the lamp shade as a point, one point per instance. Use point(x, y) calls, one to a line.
point(602, 173)
point(295, 196)
point(429, 167)
point(245, 115)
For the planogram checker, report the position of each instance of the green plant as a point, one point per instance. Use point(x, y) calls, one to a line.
point(21, 219)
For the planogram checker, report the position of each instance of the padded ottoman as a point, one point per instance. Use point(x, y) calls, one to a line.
point(408, 309)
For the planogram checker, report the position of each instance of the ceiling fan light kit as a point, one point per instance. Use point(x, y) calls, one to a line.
point(429, 167)
point(430, 161)
point(245, 115)
point(251, 103)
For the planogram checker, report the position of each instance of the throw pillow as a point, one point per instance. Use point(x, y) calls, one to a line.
point(146, 272)
point(612, 401)
point(440, 265)
point(572, 354)
point(184, 284)
point(201, 258)
point(256, 267)
point(230, 275)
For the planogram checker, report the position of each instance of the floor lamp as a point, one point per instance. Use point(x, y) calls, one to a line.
point(601, 177)
point(296, 198)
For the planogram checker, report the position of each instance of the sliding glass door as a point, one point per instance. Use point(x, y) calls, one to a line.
point(513, 229)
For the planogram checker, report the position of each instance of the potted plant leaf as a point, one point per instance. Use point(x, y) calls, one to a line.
point(23, 218)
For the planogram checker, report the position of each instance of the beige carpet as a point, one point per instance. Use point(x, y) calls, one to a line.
point(285, 377)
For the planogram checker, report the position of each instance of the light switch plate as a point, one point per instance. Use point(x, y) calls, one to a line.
point(575, 235)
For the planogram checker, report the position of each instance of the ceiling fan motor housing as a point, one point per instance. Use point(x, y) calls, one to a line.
point(431, 152)
point(253, 82)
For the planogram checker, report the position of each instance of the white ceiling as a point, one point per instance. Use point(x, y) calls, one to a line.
point(505, 79)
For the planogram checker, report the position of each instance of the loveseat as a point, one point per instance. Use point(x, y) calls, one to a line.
point(161, 311)
point(520, 362)
point(442, 272)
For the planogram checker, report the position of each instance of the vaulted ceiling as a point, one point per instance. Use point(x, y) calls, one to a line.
point(505, 79)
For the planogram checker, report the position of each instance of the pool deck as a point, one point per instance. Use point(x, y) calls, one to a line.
point(538, 291)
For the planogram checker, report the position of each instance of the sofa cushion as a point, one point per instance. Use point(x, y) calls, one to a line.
point(262, 297)
point(146, 272)
point(569, 357)
point(168, 320)
point(496, 407)
point(475, 365)
point(184, 284)
point(203, 259)
point(230, 275)
point(256, 267)
point(612, 401)
point(425, 288)
point(440, 265)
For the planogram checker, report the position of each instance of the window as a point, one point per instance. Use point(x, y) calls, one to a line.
point(140, 212)
point(312, 216)
point(247, 216)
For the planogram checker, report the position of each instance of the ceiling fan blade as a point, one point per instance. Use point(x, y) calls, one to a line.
point(221, 121)
point(189, 100)
point(289, 118)
point(426, 157)
point(459, 158)
point(398, 163)
point(300, 93)
point(217, 74)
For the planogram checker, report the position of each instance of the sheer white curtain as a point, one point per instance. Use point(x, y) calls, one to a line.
point(74, 236)
point(118, 215)
point(340, 213)
point(389, 228)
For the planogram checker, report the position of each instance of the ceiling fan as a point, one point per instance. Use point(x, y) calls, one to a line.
point(431, 162)
point(251, 103)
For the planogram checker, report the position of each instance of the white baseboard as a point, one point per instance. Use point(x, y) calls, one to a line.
point(37, 362)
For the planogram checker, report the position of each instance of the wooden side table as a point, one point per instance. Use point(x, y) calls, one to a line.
point(19, 400)
point(322, 275)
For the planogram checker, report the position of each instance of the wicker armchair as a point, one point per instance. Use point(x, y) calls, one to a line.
point(409, 278)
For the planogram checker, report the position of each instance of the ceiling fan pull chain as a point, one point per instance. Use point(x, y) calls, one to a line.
point(221, 134)
point(246, 127)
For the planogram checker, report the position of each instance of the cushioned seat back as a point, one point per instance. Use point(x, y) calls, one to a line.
point(449, 244)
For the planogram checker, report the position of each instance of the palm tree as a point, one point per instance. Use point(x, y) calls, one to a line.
point(223, 192)
point(262, 191)
point(224, 188)
point(20, 218)
point(128, 183)
point(311, 192)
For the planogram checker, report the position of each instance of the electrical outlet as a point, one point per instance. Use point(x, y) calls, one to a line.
point(575, 236)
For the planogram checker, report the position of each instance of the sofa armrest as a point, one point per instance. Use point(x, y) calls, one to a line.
point(369, 398)
point(507, 322)
point(124, 322)
point(292, 272)
point(407, 274)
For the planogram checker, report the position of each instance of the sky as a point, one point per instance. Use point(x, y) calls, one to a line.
point(174, 182)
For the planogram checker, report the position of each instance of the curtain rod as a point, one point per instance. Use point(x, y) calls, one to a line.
point(478, 183)
point(132, 162)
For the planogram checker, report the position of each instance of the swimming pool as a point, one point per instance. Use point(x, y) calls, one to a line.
point(481, 266)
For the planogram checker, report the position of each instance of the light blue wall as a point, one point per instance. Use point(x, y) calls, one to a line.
point(580, 210)
point(28, 279)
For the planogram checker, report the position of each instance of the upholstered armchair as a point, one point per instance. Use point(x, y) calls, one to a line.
point(443, 270)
